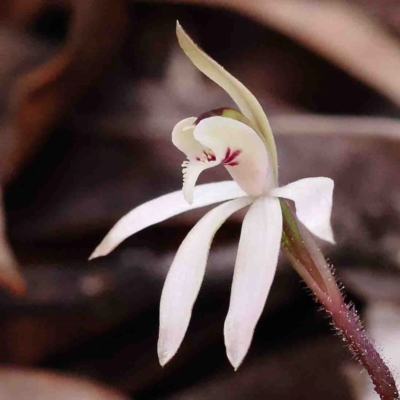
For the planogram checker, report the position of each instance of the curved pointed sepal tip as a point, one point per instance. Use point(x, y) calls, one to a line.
point(234, 362)
point(98, 252)
point(163, 360)
point(93, 255)
point(164, 356)
point(236, 347)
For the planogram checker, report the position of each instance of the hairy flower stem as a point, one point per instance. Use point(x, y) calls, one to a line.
point(301, 250)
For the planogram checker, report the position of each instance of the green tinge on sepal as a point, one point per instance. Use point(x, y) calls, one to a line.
point(298, 254)
point(245, 100)
point(227, 113)
point(306, 258)
point(290, 220)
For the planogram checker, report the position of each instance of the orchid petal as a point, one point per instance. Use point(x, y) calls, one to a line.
point(240, 149)
point(162, 208)
point(313, 199)
point(185, 277)
point(255, 268)
point(183, 139)
point(247, 103)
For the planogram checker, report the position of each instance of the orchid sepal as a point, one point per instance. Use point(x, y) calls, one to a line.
point(162, 208)
point(245, 100)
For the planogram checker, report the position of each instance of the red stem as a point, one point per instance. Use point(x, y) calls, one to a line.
point(348, 324)
point(302, 251)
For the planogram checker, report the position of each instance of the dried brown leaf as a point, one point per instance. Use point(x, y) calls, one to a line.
point(43, 96)
point(338, 31)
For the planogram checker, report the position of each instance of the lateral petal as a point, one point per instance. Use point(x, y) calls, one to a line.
point(255, 268)
point(162, 208)
point(313, 199)
point(185, 277)
point(245, 100)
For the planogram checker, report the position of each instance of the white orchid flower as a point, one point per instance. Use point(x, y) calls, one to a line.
point(243, 143)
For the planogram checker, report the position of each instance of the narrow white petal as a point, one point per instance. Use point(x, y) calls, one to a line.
point(240, 149)
point(162, 208)
point(313, 199)
point(247, 103)
point(255, 268)
point(185, 276)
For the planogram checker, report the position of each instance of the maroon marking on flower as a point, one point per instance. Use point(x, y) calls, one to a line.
point(230, 157)
point(209, 156)
point(227, 154)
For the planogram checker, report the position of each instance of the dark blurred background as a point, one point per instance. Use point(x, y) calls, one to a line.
point(89, 93)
